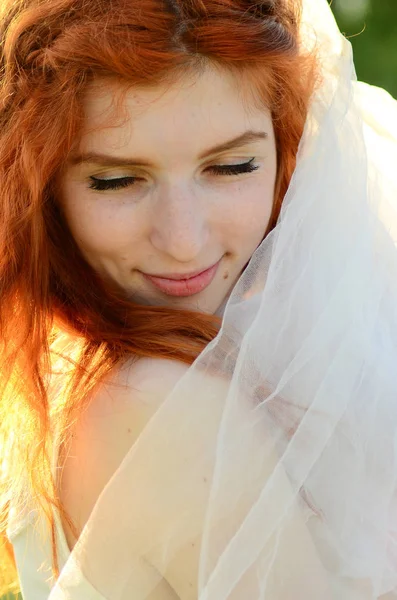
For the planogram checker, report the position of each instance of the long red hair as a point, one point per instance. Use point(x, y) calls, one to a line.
point(52, 303)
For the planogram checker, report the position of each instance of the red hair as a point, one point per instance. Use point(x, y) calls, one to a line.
point(49, 295)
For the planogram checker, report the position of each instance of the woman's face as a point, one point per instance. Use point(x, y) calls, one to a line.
point(178, 187)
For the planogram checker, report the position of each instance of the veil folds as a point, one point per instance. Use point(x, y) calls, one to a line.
point(269, 471)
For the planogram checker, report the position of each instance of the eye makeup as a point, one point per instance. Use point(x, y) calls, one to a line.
point(116, 183)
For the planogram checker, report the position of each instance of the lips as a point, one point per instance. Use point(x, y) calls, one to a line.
point(184, 287)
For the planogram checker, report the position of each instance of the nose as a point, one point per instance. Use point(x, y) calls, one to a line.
point(180, 226)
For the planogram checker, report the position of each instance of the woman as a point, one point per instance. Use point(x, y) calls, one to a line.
point(198, 322)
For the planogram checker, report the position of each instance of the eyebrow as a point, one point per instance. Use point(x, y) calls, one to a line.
point(248, 137)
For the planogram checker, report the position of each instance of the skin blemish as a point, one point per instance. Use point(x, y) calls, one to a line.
point(226, 275)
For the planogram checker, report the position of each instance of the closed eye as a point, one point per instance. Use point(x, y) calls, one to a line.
point(246, 167)
point(123, 182)
point(111, 184)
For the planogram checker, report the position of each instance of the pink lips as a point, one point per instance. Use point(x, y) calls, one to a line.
point(184, 287)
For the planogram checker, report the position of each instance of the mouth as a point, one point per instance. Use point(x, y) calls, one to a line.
point(184, 287)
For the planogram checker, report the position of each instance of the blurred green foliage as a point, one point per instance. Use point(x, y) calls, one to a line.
point(371, 27)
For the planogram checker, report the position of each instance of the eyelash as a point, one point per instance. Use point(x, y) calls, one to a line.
point(123, 182)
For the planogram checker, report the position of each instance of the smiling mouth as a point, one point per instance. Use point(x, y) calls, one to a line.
point(184, 287)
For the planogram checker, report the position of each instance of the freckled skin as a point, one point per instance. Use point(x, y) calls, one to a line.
point(178, 216)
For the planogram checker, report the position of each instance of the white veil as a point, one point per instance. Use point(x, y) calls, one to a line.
point(278, 446)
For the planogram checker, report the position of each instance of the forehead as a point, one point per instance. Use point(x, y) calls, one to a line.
point(190, 113)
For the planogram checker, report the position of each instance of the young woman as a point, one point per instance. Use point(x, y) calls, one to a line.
point(197, 304)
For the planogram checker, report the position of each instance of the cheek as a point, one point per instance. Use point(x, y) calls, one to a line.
point(247, 212)
point(102, 228)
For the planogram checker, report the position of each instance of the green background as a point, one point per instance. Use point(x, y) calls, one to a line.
point(371, 27)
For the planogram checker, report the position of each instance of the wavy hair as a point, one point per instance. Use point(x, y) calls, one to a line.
point(55, 312)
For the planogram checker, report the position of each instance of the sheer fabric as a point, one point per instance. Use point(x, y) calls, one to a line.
point(269, 471)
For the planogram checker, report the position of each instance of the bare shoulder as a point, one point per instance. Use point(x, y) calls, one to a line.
point(151, 375)
point(119, 410)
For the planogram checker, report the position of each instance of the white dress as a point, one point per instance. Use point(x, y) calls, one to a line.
point(29, 535)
